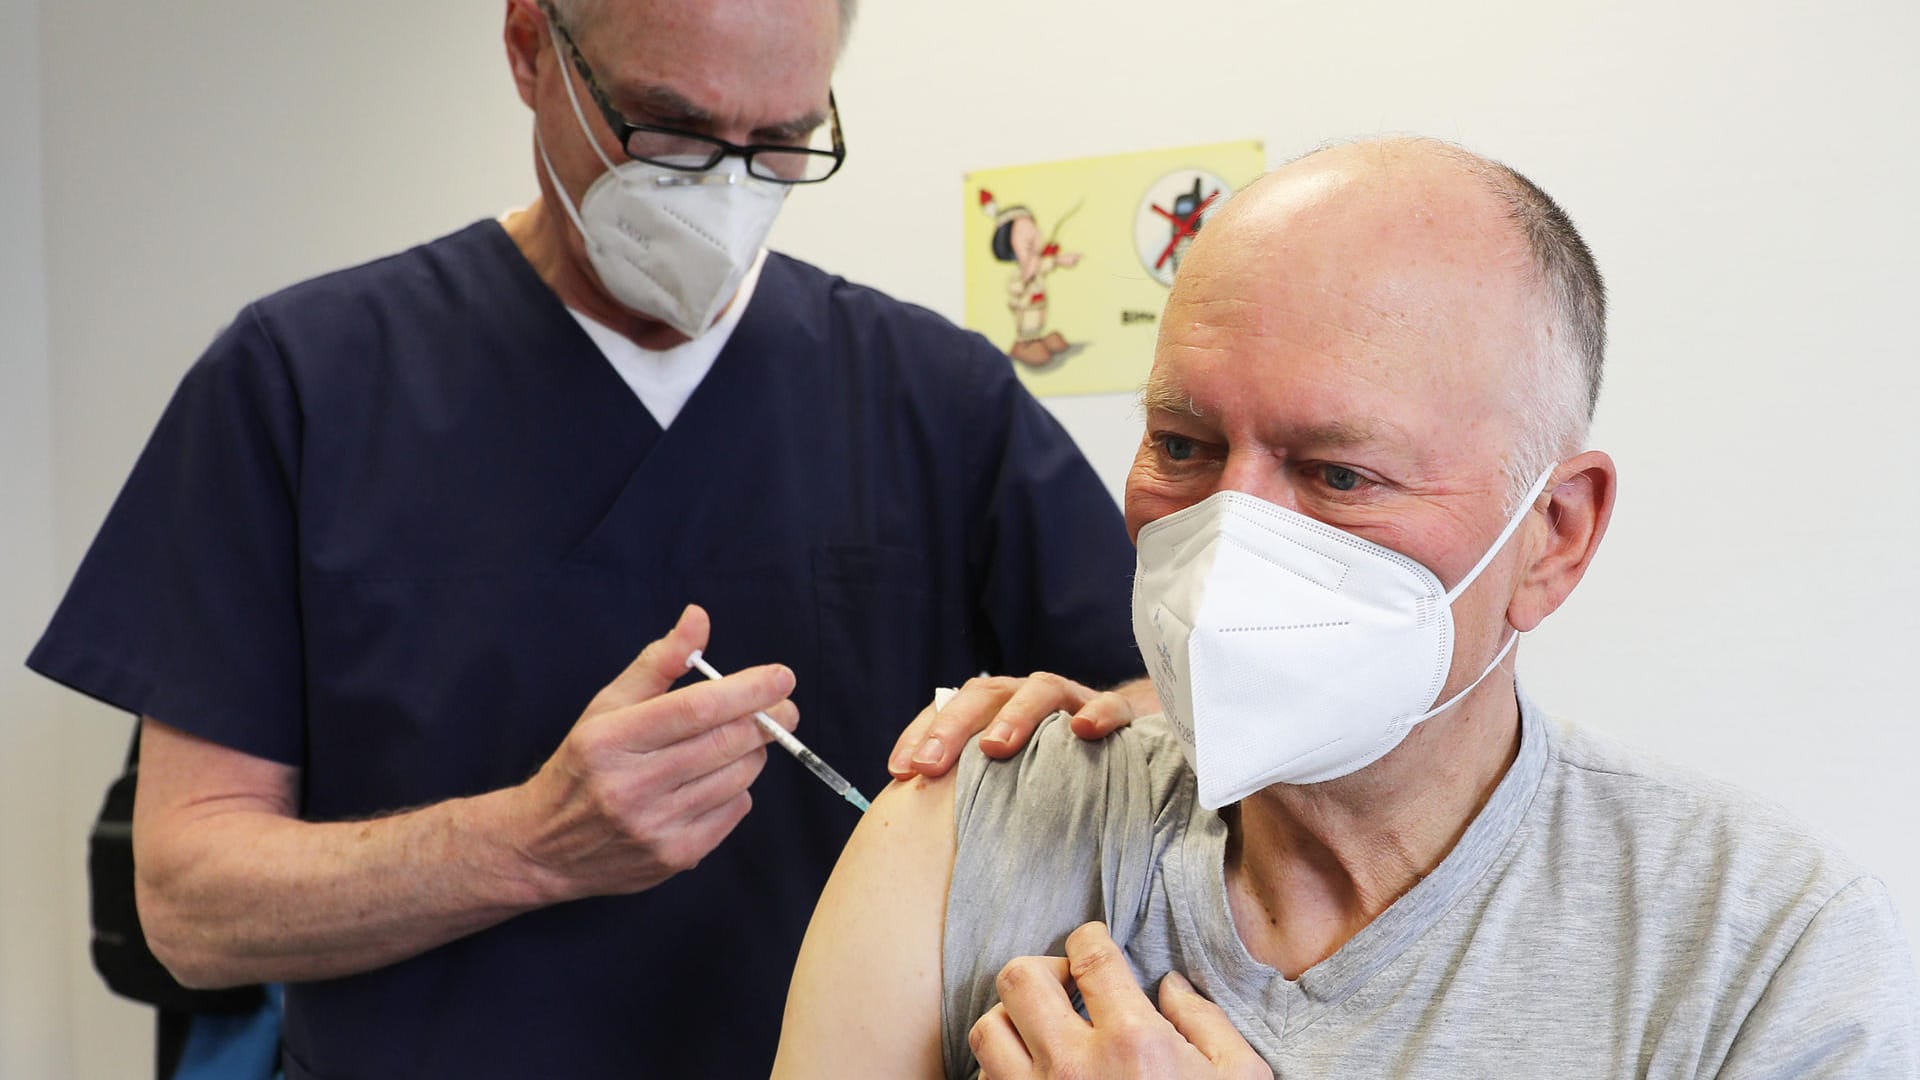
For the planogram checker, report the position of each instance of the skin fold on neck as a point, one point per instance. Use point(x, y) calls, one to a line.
point(1309, 866)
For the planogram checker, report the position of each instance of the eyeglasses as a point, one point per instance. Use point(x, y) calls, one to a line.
point(677, 148)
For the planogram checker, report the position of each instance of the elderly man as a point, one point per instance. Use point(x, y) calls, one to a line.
point(402, 522)
point(1361, 478)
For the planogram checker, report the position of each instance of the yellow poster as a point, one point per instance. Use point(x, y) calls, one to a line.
point(1068, 262)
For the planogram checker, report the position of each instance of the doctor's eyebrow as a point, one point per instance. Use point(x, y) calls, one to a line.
point(667, 107)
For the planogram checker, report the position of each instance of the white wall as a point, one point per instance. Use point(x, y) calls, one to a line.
point(1744, 172)
point(39, 936)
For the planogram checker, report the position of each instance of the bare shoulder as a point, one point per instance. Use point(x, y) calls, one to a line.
point(865, 996)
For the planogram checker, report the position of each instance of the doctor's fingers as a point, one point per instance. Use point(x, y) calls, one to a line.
point(933, 742)
point(1105, 713)
point(690, 712)
point(697, 796)
point(900, 761)
point(669, 768)
point(681, 846)
point(659, 664)
point(1039, 696)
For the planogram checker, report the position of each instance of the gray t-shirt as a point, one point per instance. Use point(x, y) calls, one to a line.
point(1603, 916)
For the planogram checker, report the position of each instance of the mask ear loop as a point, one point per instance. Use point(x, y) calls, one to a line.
point(561, 190)
point(1513, 636)
point(1506, 534)
point(566, 80)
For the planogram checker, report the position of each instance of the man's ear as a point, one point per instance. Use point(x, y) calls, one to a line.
point(1579, 505)
point(526, 37)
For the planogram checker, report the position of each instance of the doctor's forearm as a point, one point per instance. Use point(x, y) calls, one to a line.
point(245, 895)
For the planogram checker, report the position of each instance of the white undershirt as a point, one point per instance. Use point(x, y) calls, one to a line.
point(663, 379)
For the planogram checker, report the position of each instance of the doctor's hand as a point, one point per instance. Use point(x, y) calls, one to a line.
point(1035, 1032)
point(1009, 709)
point(648, 782)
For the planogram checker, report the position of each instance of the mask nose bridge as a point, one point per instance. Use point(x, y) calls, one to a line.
point(702, 179)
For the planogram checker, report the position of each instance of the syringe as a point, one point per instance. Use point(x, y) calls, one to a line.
point(793, 746)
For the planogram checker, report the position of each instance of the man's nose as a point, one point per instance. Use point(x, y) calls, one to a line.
point(1261, 474)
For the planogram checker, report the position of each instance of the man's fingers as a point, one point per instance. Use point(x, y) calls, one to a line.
point(997, 1046)
point(1206, 1026)
point(659, 664)
point(1104, 977)
point(1033, 989)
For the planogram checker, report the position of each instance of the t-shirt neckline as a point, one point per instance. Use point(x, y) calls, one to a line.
point(1252, 993)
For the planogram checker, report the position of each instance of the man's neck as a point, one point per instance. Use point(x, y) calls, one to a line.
point(1308, 867)
point(543, 237)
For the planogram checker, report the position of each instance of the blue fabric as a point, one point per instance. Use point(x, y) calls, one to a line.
point(401, 522)
point(242, 1047)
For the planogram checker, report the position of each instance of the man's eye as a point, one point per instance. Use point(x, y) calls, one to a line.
point(1176, 448)
point(1340, 478)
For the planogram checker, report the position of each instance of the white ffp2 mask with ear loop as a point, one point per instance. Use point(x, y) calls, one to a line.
point(670, 244)
point(1285, 650)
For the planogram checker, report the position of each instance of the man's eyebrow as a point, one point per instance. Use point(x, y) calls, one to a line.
point(1159, 397)
point(1345, 433)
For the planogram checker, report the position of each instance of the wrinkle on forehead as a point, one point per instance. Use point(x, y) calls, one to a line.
point(767, 61)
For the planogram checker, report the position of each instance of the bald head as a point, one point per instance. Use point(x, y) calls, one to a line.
point(1419, 249)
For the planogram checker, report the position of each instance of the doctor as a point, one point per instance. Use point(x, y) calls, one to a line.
point(401, 524)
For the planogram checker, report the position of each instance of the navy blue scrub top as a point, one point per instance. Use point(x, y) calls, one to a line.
point(401, 522)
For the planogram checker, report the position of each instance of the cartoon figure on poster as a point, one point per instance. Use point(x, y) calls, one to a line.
point(1017, 240)
point(1074, 257)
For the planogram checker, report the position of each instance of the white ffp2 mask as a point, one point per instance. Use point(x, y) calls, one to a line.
point(1285, 650)
point(670, 244)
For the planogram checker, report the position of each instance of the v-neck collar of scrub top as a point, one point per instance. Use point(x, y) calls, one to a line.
point(663, 379)
point(667, 463)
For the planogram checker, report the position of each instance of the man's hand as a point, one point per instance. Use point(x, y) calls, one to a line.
point(1035, 1032)
point(1013, 707)
point(648, 782)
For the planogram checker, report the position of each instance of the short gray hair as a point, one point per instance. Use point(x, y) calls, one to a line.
point(581, 15)
point(1555, 397)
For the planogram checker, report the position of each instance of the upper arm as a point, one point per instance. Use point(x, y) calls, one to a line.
point(865, 996)
point(1844, 1001)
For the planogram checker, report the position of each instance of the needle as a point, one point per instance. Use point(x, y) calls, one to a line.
point(793, 746)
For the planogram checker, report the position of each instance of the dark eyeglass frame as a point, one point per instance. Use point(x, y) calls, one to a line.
point(626, 129)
